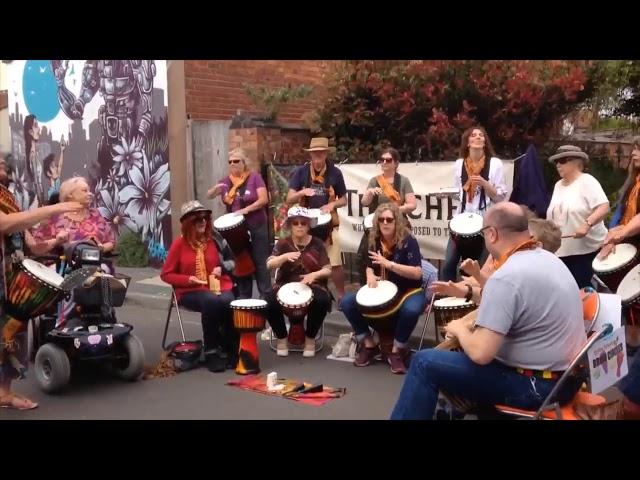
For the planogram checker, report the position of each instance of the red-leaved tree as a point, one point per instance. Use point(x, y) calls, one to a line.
point(422, 107)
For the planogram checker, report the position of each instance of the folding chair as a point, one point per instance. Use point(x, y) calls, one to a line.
point(550, 409)
point(173, 303)
point(429, 275)
point(553, 411)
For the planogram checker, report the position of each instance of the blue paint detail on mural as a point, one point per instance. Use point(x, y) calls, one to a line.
point(39, 90)
point(157, 251)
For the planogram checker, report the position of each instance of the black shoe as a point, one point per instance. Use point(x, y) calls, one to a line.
point(215, 362)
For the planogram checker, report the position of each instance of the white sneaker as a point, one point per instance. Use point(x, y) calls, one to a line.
point(282, 347)
point(309, 347)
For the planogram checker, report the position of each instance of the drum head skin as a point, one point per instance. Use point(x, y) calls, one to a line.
point(622, 256)
point(466, 224)
point(249, 303)
point(322, 218)
point(452, 302)
point(228, 220)
point(372, 297)
point(295, 293)
point(629, 288)
point(368, 221)
point(41, 272)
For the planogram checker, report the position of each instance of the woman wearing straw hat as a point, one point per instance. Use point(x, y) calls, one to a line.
point(321, 185)
point(578, 206)
point(196, 256)
point(245, 193)
point(300, 257)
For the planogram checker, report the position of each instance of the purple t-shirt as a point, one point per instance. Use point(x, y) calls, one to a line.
point(258, 217)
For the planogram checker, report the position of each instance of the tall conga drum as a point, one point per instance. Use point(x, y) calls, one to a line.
point(379, 306)
point(233, 229)
point(248, 319)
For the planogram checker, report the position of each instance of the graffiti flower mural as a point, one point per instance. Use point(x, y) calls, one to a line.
point(127, 156)
point(113, 211)
point(144, 197)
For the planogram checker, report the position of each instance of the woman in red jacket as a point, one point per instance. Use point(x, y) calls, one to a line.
point(196, 263)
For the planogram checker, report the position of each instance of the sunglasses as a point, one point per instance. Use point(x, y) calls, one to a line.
point(562, 161)
point(199, 218)
point(299, 223)
point(233, 162)
point(386, 220)
point(386, 159)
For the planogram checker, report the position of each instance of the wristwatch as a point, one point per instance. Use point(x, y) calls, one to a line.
point(469, 294)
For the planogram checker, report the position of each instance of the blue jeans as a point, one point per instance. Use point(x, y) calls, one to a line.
point(454, 372)
point(630, 385)
point(406, 317)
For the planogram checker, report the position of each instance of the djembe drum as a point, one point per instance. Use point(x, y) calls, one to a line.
point(248, 319)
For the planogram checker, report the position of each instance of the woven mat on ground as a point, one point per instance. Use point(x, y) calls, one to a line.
point(258, 383)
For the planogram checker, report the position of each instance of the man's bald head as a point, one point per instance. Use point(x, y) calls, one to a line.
point(507, 217)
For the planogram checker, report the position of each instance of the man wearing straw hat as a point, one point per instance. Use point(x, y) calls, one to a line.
point(319, 184)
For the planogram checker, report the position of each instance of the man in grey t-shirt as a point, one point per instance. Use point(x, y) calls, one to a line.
point(529, 328)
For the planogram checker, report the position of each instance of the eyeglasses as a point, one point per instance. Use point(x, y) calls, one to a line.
point(386, 159)
point(562, 161)
point(199, 218)
point(233, 162)
point(484, 228)
point(386, 220)
point(299, 223)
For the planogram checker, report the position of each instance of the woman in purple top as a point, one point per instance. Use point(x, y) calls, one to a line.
point(244, 192)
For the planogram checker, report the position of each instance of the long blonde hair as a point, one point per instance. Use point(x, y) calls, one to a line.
point(401, 230)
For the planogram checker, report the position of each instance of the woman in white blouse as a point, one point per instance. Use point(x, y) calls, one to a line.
point(577, 207)
point(479, 177)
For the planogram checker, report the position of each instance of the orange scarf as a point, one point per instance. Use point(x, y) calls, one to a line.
point(631, 209)
point(387, 249)
point(201, 265)
point(236, 181)
point(526, 245)
point(473, 167)
point(388, 190)
point(319, 178)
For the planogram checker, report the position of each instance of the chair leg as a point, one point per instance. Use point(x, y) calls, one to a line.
point(166, 325)
point(426, 322)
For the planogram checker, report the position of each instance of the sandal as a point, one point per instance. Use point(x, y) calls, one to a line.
point(18, 402)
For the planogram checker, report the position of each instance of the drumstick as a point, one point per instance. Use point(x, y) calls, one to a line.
point(569, 236)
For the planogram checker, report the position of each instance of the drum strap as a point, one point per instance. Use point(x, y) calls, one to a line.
point(395, 307)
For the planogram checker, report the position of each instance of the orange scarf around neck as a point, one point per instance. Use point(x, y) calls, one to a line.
point(631, 208)
point(473, 167)
point(201, 265)
point(526, 245)
point(236, 183)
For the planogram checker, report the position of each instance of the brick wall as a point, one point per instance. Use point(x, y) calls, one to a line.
point(214, 88)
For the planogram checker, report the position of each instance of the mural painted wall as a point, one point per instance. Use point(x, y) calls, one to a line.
point(105, 120)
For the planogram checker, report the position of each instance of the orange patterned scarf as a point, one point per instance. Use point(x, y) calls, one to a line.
point(387, 250)
point(201, 265)
point(388, 190)
point(526, 245)
point(237, 182)
point(473, 167)
point(631, 209)
point(319, 178)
